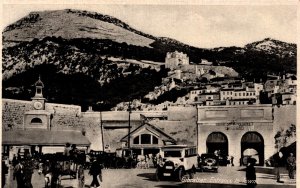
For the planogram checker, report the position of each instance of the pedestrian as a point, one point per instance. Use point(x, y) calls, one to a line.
point(291, 162)
point(231, 160)
point(154, 159)
point(28, 171)
point(67, 149)
point(228, 160)
point(250, 173)
point(95, 171)
point(277, 158)
point(14, 160)
point(18, 174)
point(4, 171)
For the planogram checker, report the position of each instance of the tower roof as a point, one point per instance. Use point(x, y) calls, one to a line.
point(39, 82)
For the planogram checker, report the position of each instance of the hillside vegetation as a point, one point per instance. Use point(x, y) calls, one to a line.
point(75, 46)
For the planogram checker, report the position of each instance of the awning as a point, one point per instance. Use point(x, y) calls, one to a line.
point(43, 138)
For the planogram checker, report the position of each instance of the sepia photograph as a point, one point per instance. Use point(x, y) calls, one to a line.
point(149, 94)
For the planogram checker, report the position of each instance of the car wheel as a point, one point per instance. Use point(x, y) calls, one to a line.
point(180, 174)
point(192, 173)
point(194, 169)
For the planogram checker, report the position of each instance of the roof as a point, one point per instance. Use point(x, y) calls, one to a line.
point(212, 93)
point(227, 89)
point(177, 146)
point(39, 82)
point(169, 138)
point(43, 137)
point(244, 99)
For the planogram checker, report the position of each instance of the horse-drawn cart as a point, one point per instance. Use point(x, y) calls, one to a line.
point(59, 168)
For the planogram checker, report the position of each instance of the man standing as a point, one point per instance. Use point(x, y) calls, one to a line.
point(277, 159)
point(291, 162)
point(28, 171)
point(251, 173)
point(19, 174)
point(95, 171)
point(4, 171)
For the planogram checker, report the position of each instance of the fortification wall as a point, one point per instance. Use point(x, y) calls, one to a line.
point(284, 116)
point(12, 113)
point(180, 113)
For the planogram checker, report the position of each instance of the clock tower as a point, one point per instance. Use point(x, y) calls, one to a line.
point(38, 117)
point(38, 100)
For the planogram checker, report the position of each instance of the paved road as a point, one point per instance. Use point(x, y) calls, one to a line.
point(143, 178)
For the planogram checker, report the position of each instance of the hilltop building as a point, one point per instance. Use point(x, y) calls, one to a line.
point(175, 59)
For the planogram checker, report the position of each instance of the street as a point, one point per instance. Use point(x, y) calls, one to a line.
point(122, 178)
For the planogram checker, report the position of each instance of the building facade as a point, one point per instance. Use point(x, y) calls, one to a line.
point(236, 130)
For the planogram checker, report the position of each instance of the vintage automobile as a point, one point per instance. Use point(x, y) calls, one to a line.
point(176, 161)
point(208, 162)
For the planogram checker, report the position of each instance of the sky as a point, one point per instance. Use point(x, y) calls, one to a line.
point(205, 26)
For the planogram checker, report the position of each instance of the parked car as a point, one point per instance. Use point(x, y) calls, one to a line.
point(176, 161)
point(209, 162)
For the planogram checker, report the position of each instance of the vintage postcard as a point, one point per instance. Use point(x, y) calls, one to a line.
point(149, 94)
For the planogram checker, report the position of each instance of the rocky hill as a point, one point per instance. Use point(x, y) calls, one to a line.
point(272, 46)
point(66, 45)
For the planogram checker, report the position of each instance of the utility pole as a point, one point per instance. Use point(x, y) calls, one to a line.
point(101, 125)
point(129, 112)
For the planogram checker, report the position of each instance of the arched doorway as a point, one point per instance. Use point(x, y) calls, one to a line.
point(252, 145)
point(217, 141)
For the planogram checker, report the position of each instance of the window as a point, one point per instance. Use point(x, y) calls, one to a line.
point(136, 140)
point(172, 153)
point(36, 120)
point(154, 140)
point(39, 90)
point(239, 94)
point(145, 139)
point(243, 94)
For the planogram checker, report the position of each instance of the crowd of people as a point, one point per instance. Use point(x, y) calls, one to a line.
point(23, 167)
point(22, 170)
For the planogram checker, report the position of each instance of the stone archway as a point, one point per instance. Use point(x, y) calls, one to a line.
point(252, 145)
point(217, 141)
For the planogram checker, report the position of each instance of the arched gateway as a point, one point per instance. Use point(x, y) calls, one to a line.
point(217, 141)
point(252, 144)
